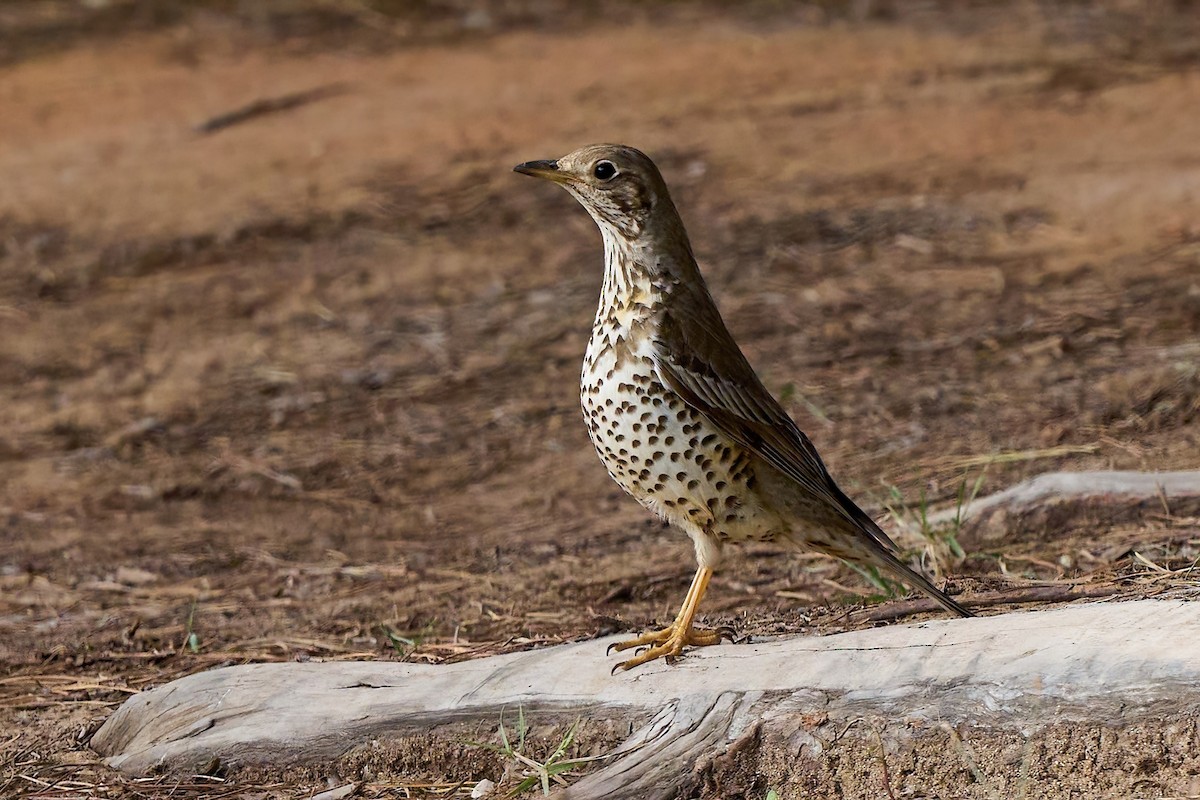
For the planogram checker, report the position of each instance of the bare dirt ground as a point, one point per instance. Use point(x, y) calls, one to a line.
point(305, 386)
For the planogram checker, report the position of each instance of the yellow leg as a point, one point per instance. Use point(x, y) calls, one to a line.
point(670, 641)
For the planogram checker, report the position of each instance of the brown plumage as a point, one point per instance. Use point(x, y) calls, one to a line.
point(677, 414)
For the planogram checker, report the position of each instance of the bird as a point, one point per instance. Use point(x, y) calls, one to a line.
point(677, 414)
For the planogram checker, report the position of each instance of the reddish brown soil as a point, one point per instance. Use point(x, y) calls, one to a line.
point(306, 386)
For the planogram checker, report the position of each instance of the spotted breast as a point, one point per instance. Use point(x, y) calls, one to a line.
point(655, 446)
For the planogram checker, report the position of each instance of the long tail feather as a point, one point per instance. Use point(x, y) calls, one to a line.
point(916, 579)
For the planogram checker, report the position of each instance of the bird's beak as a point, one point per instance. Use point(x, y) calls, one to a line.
point(542, 169)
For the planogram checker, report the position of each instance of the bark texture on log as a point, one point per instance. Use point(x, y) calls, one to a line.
point(1115, 662)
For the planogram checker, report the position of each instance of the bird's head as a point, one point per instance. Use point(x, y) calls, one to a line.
point(618, 185)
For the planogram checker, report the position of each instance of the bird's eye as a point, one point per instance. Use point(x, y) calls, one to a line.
point(604, 170)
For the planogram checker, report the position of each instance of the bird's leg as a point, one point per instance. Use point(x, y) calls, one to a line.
point(671, 640)
point(660, 636)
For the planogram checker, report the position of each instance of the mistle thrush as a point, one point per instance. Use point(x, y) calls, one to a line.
point(675, 411)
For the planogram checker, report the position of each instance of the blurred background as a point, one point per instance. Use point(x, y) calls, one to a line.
point(289, 358)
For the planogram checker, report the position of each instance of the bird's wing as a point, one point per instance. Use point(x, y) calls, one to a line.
point(697, 358)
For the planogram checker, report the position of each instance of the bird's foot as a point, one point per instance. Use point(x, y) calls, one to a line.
point(668, 643)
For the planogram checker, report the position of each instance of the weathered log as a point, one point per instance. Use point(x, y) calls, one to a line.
point(1111, 662)
point(1053, 500)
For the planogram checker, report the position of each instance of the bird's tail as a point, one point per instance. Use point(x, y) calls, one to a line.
point(883, 554)
point(863, 549)
point(910, 576)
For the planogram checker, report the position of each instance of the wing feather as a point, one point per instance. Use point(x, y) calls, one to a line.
point(697, 358)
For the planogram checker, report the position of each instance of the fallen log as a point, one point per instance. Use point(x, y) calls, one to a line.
point(1113, 663)
point(1056, 499)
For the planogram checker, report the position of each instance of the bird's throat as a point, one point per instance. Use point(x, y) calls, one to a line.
point(630, 291)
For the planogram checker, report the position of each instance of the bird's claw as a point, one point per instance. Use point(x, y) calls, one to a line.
point(731, 635)
point(667, 644)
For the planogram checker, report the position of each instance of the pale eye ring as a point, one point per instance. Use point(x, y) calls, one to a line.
point(604, 170)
